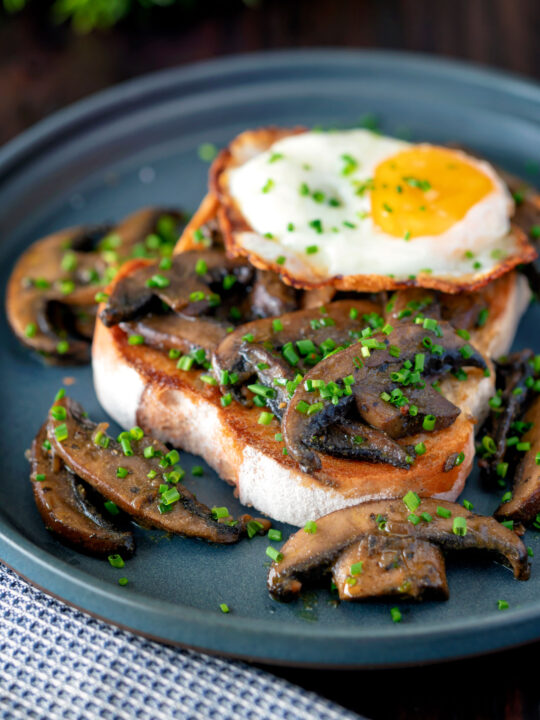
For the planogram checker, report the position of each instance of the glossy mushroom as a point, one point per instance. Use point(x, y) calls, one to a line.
point(524, 504)
point(51, 292)
point(381, 566)
point(380, 383)
point(66, 509)
point(308, 554)
point(121, 471)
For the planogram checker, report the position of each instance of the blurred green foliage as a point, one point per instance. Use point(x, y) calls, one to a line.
point(88, 15)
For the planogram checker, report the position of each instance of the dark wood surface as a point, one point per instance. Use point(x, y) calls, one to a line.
point(43, 69)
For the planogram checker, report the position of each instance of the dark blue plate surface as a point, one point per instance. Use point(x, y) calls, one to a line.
point(136, 145)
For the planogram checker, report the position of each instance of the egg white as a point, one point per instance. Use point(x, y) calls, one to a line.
point(316, 160)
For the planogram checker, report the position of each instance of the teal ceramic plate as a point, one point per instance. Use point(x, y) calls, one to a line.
point(137, 144)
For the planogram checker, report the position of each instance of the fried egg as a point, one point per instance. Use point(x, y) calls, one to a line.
point(368, 212)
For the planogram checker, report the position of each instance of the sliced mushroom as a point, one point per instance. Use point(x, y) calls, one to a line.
point(124, 478)
point(178, 332)
point(308, 554)
point(391, 566)
point(397, 422)
point(374, 378)
point(332, 324)
point(524, 504)
point(67, 511)
point(42, 295)
point(408, 304)
point(50, 298)
point(461, 310)
point(271, 297)
point(192, 285)
point(513, 377)
point(360, 442)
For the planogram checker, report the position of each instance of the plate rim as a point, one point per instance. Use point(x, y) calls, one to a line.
point(32, 562)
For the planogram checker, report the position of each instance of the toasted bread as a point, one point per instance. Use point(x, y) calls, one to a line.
point(141, 385)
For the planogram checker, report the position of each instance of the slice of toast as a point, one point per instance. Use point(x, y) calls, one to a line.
point(137, 384)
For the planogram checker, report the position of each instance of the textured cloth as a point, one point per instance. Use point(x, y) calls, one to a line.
point(57, 662)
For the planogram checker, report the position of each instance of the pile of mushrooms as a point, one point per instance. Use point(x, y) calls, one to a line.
point(390, 548)
point(87, 484)
point(51, 297)
point(509, 447)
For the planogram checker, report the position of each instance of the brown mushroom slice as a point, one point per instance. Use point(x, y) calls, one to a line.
point(66, 510)
point(178, 332)
point(332, 323)
point(42, 296)
point(192, 285)
point(407, 304)
point(125, 479)
point(397, 422)
point(270, 297)
point(306, 554)
point(374, 375)
point(525, 502)
point(461, 310)
point(317, 297)
point(359, 442)
point(514, 375)
point(390, 566)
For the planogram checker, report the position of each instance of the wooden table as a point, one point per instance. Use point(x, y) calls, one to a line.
point(44, 69)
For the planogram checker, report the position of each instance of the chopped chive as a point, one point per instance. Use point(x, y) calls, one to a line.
point(253, 528)
point(310, 527)
point(459, 526)
point(61, 432)
point(136, 433)
point(62, 347)
point(226, 400)
point(30, 330)
point(395, 614)
point(281, 259)
point(275, 535)
point(443, 512)
point(208, 379)
point(357, 568)
point(429, 422)
point(123, 581)
point(268, 185)
point(158, 281)
point(207, 151)
point(185, 363)
point(126, 447)
point(502, 605)
point(111, 507)
point(274, 554)
point(265, 418)
point(312, 249)
point(58, 412)
point(40, 477)
point(116, 561)
point(136, 340)
point(411, 500)
point(220, 512)
point(224, 608)
point(121, 472)
point(468, 505)
point(420, 449)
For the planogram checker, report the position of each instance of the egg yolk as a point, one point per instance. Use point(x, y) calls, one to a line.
point(424, 191)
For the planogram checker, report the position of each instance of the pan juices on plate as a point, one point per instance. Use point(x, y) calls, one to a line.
point(324, 333)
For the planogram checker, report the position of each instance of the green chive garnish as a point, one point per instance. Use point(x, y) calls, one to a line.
point(116, 561)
